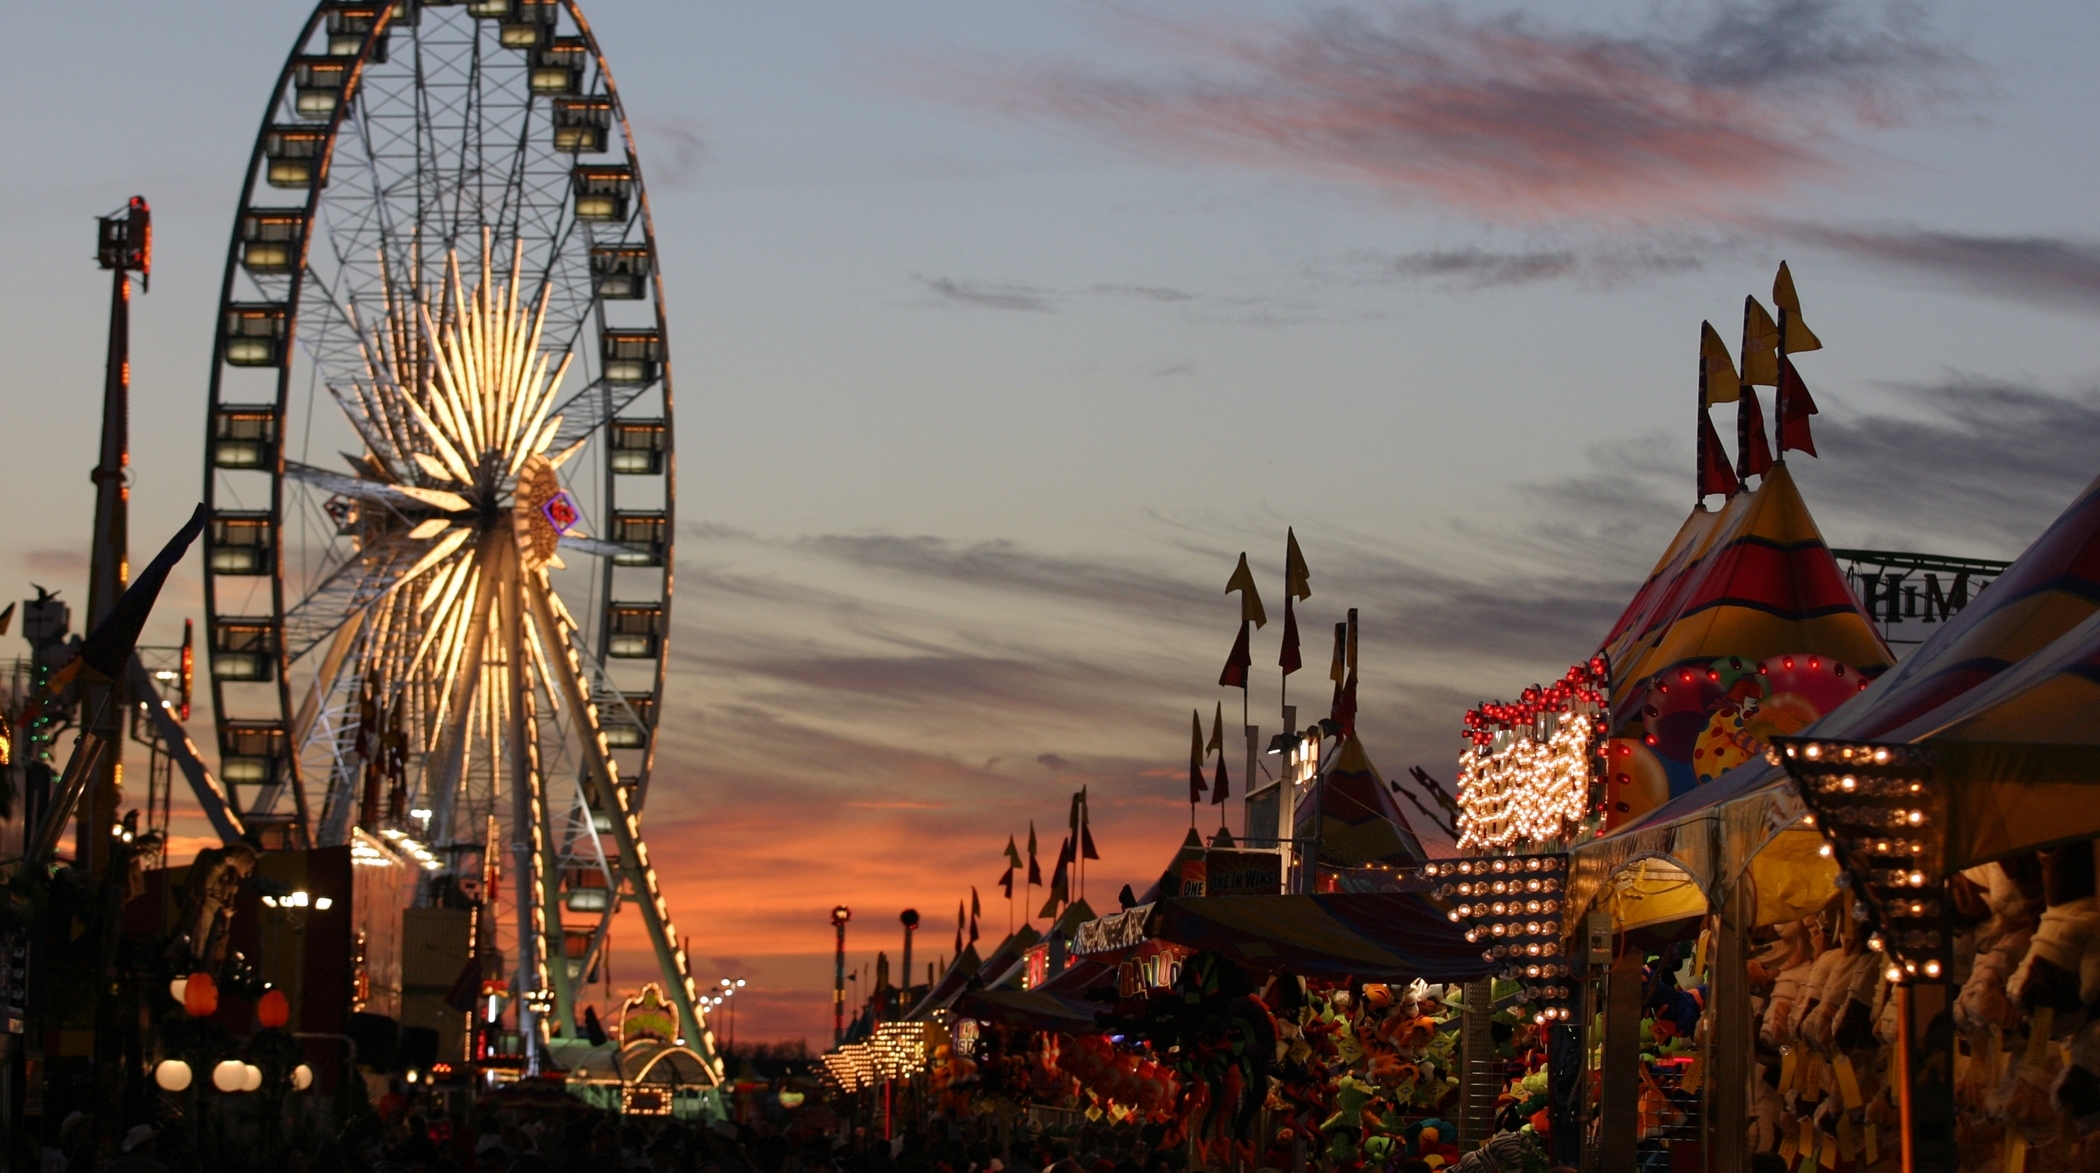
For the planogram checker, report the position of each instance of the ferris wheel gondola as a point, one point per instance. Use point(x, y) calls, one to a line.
point(440, 473)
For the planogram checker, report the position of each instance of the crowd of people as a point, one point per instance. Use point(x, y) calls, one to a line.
point(403, 1137)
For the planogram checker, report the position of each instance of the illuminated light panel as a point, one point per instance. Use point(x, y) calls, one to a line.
point(1529, 775)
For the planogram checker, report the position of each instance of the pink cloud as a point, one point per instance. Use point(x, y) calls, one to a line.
point(1508, 119)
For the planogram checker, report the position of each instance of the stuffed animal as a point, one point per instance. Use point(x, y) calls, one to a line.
point(2001, 943)
point(1788, 961)
point(2062, 967)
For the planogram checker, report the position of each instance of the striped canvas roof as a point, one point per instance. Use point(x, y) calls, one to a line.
point(1754, 580)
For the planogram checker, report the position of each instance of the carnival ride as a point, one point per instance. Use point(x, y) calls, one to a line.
point(440, 366)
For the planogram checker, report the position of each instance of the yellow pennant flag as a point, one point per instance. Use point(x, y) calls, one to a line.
point(1760, 346)
point(1242, 580)
point(1798, 336)
point(1217, 731)
point(1297, 580)
point(1716, 370)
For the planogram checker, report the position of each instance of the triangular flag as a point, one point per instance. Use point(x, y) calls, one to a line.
point(1242, 580)
point(1753, 456)
point(975, 910)
point(7, 617)
point(1338, 672)
point(1072, 816)
point(1717, 378)
point(958, 927)
point(1216, 744)
point(1297, 580)
point(1798, 336)
point(1196, 786)
point(1035, 870)
point(110, 644)
point(1795, 406)
point(1221, 786)
point(1006, 882)
point(1237, 663)
point(1086, 829)
point(1345, 715)
point(1060, 891)
point(1760, 346)
point(1715, 475)
point(1289, 658)
point(1013, 856)
point(1065, 853)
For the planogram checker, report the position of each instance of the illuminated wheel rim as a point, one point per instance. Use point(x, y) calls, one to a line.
point(424, 171)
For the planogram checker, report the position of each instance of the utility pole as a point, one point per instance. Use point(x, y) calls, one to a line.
point(124, 245)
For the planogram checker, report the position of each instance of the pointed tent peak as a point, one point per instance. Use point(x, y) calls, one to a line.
point(1076, 913)
point(1358, 821)
point(1193, 839)
point(1759, 583)
point(1222, 839)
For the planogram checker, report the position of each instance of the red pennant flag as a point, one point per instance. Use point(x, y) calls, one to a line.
point(975, 909)
point(1289, 659)
point(1795, 406)
point(1753, 454)
point(1235, 673)
point(1345, 715)
point(1064, 855)
point(1221, 786)
point(1715, 475)
point(1035, 870)
point(1006, 882)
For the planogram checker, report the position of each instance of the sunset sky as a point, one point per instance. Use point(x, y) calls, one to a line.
point(1002, 329)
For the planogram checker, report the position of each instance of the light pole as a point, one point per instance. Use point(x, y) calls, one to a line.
point(839, 917)
point(909, 918)
point(729, 988)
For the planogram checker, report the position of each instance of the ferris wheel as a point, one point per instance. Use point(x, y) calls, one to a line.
point(439, 469)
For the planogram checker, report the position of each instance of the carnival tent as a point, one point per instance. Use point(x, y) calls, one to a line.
point(1384, 936)
point(2037, 609)
point(1350, 812)
point(943, 993)
point(1755, 581)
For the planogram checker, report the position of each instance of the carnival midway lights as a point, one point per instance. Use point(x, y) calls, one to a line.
point(1742, 889)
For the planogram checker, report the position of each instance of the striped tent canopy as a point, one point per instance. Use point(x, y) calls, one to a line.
point(1738, 592)
point(2052, 588)
point(1754, 580)
point(1350, 809)
point(2003, 691)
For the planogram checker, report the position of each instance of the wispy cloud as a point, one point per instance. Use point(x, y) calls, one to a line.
point(1508, 117)
point(677, 150)
point(988, 295)
point(1468, 268)
point(2055, 269)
